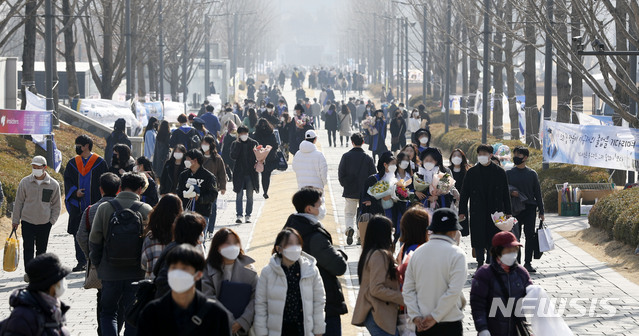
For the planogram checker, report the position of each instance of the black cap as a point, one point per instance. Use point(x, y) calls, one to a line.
point(444, 220)
point(299, 107)
point(44, 271)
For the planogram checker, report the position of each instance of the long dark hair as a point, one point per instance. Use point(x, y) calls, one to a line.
point(252, 117)
point(151, 125)
point(378, 238)
point(463, 164)
point(415, 150)
point(401, 157)
point(263, 128)
point(124, 154)
point(179, 148)
point(215, 259)
point(345, 110)
point(162, 217)
point(164, 132)
point(147, 166)
point(386, 157)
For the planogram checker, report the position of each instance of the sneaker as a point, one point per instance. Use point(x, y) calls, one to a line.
point(529, 268)
point(349, 235)
point(79, 268)
point(238, 220)
point(247, 219)
point(209, 235)
point(265, 196)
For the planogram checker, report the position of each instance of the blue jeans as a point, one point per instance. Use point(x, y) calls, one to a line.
point(333, 326)
point(117, 297)
point(210, 225)
point(374, 329)
point(247, 184)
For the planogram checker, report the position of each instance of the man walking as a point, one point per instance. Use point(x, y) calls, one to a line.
point(435, 278)
point(244, 175)
point(116, 249)
point(354, 168)
point(526, 183)
point(316, 110)
point(197, 186)
point(486, 185)
point(310, 164)
point(211, 122)
point(82, 188)
point(37, 207)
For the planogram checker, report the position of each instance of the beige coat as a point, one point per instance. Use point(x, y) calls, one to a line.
point(378, 293)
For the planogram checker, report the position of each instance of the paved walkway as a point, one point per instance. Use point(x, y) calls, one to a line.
point(566, 273)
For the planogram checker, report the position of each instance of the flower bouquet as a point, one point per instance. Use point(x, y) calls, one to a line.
point(401, 190)
point(443, 183)
point(502, 222)
point(261, 153)
point(303, 121)
point(419, 184)
point(381, 190)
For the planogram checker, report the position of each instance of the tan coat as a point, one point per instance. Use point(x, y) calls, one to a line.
point(379, 294)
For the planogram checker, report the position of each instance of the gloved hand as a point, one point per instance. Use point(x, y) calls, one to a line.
point(484, 333)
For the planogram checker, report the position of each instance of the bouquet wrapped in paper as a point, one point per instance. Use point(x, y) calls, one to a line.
point(443, 183)
point(502, 222)
point(401, 190)
point(261, 153)
point(419, 184)
point(303, 121)
point(382, 190)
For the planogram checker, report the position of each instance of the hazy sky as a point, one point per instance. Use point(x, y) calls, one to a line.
point(309, 22)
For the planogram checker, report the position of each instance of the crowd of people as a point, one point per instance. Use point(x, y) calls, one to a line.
point(149, 218)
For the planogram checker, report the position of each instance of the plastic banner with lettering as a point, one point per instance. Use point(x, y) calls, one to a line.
point(25, 122)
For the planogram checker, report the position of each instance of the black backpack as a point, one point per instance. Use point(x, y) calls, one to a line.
point(124, 236)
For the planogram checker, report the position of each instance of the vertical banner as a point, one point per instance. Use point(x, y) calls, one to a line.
point(25, 122)
point(611, 147)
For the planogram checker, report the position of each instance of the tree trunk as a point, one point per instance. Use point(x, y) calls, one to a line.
point(577, 78)
point(153, 77)
point(69, 51)
point(563, 76)
point(28, 51)
point(139, 65)
point(498, 80)
point(530, 81)
point(107, 41)
point(620, 96)
point(463, 120)
point(510, 78)
point(473, 85)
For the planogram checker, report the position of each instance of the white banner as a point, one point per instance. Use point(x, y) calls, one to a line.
point(611, 147)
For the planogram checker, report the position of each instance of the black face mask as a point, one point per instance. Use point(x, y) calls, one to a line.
point(518, 160)
point(78, 149)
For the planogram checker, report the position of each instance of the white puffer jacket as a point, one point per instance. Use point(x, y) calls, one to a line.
point(270, 298)
point(310, 166)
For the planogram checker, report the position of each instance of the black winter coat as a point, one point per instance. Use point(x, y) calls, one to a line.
point(166, 180)
point(208, 190)
point(331, 262)
point(354, 168)
point(268, 140)
point(151, 196)
point(160, 156)
point(242, 153)
point(113, 139)
point(330, 122)
point(158, 318)
point(398, 129)
point(30, 314)
point(485, 287)
point(487, 189)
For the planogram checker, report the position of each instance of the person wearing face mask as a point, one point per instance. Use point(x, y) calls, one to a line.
point(496, 284)
point(414, 122)
point(118, 136)
point(121, 162)
point(37, 309)
point(458, 167)
point(486, 186)
point(184, 310)
point(197, 187)
point(525, 182)
point(118, 259)
point(422, 139)
point(245, 176)
point(229, 270)
point(227, 141)
point(171, 172)
point(37, 207)
point(377, 132)
point(151, 195)
point(386, 169)
point(411, 150)
point(271, 117)
point(290, 298)
point(82, 188)
point(213, 162)
point(318, 243)
point(432, 164)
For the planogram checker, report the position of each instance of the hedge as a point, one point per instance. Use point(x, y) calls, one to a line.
point(618, 214)
point(468, 141)
point(16, 154)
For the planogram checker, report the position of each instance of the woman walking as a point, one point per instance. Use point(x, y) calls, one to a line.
point(459, 166)
point(265, 136)
point(379, 296)
point(330, 123)
point(171, 172)
point(398, 132)
point(377, 132)
point(250, 120)
point(150, 133)
point(161, 149)
point(150, 195)
point(159, 231)
point(215, 165)
point(345, 121)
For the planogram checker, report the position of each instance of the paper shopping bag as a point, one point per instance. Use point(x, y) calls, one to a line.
point(546, 242)
point(11, 252)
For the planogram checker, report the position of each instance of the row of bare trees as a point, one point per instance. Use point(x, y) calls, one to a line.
point(518, 31)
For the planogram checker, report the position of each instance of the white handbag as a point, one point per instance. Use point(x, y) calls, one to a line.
point(546, 242)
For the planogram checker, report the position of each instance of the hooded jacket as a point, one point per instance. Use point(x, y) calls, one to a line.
point(184, 135)
point(270, 298)
point(331, 262)
point(32, 315)
point(310, 166)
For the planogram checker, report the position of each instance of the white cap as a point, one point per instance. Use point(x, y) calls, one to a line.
point(39, 161)
point(310, 134)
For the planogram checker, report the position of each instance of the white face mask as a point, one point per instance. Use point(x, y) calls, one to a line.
point(322, 212)
point(392, 169)
point(456, 160)
point(136, 169)
point(269, 109)
point(404, 164)
point(230, 251)
point(37, 172)
point(244, 137)
point(423, 140)
point(508, 259)
point(60, 288)
point(429, 165)
point(187, 164)
point(292, 253)
point(178, 156)
point(483, 159)
point(206, 148)
point(180, 281)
